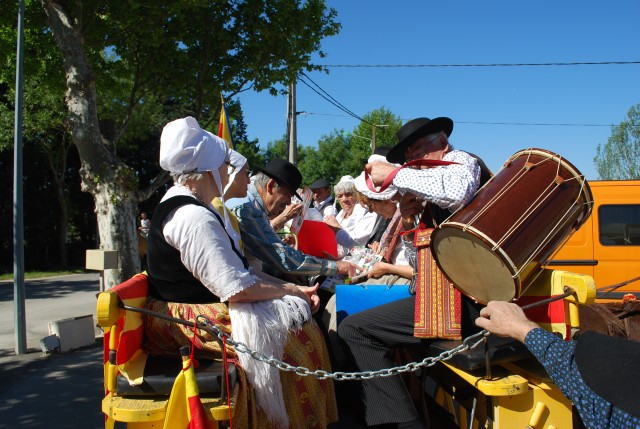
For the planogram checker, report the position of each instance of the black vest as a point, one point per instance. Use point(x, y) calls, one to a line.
point(169, 279)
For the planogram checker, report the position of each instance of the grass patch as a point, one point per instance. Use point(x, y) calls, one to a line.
point(40, 274)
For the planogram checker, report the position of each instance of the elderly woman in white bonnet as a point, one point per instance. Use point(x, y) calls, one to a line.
point(239, 179)
point(394, 267)
point(354, 223)
point(196, 268)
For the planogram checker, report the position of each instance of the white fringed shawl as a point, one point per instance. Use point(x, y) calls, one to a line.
point(264, 326)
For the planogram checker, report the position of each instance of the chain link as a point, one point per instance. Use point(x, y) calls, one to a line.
point(468, 343)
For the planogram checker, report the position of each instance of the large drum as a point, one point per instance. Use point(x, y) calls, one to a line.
point(493, 248)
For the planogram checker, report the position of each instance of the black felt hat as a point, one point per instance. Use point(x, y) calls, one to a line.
point(413, 130)
point(283, 172)
point(609, 366)
point(320, 184)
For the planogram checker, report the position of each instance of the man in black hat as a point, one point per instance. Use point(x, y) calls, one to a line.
point(268, 196)
point(322, 199)
point(596, 372)
point(449, 185)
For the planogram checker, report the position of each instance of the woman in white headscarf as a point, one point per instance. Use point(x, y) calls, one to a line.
point(239, 179)
point(354, 223)
point(394, 268)
point(196, 267)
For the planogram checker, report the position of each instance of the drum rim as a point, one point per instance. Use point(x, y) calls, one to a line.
point(586, 189)
point(562, 160)
point(517, 281)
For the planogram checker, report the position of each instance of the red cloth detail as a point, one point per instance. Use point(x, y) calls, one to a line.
point(554, 312)
point(198, 417)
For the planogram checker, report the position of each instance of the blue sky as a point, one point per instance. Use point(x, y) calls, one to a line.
point(476, 98)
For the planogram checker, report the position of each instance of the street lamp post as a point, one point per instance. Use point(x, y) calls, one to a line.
point(373, 136)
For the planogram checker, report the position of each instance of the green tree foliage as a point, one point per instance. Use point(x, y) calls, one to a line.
point(127, 67)
point(244, 145)
point(344, 153)
point(619, 158)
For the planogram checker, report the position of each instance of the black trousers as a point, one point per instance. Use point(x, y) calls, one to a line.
point(369, 336)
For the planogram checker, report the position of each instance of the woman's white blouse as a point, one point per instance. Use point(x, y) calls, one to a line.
point(205, 249)
point(356, 229)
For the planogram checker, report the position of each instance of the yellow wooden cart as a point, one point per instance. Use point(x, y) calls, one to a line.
point(513, 391)
point(144, 405)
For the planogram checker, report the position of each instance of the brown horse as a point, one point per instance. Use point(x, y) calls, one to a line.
point(619, 319)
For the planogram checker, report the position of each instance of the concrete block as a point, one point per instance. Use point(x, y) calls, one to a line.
point(74, 332)
point(101, 259)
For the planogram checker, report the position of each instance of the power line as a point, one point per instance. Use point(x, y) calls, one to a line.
point(526, 124)
point(585, 63)
point(535, 124)
point(330, 99)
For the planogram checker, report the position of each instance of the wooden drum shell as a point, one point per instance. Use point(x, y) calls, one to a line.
point(495, 246)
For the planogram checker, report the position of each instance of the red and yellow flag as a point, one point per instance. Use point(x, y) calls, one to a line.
point(224, 129)
point(185, 409)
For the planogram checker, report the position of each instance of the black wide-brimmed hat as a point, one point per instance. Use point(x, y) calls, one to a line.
point(320, 184)
point(413, 130)
point(609, 365)
point(283, 172)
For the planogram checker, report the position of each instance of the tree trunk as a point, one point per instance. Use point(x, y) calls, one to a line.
point(112, 184)
point(117, 228)
point(63, 223)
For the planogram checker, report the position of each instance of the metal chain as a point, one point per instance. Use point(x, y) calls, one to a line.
point(467, 344)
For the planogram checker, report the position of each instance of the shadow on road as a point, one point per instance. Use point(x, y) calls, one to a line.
point(50, 288)
point(57, 390)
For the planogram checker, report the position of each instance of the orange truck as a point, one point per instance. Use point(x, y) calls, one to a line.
point(607, 245)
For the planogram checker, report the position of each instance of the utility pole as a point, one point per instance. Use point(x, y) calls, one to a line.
point(18, 225)
point(292, 115)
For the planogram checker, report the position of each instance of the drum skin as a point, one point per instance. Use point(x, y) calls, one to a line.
point(494, 247)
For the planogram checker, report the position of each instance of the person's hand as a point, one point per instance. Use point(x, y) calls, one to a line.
point(311, 296)
point(378, 270)
point(379, 171)
point(506, 320)
point(289, 240)
point(332, 222)
point(375, 246)
point(410, 207)
point(348, 269)
point(289, 212)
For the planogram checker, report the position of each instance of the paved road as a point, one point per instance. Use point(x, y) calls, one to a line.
point(59, 390)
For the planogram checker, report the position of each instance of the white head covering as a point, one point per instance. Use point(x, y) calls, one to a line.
point(238, 161)
point(187, 148)
point(345, 179)
point(361, 184)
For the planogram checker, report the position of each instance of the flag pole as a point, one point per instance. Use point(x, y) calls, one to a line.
point(224, 126)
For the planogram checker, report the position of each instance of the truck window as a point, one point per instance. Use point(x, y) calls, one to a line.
point(619, 224)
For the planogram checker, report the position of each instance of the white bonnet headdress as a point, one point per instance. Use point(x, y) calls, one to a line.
point(361, 184)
